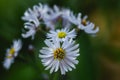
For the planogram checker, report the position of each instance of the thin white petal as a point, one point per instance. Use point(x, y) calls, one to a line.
point(45, 56)
point(62, 70)
point(57, 66)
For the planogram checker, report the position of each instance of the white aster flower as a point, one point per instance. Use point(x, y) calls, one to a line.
point(12, 53)
point(33, 18)
point(61, 35)
point(60, 56)
point(81, 23)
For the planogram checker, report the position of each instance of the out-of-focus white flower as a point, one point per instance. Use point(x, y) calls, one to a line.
point(61, 35)
point(32, 24)
point(12, 53)
point(33, 18)
point(60, 55)
point(81, 23)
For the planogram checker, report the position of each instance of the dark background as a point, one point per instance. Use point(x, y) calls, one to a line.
point(100, 55)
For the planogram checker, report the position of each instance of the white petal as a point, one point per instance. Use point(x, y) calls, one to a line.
point(73, 55)
point(71, 59)
point(29, 33)
point(89, 29)
point(53, 66)
point(17, 45)
point(72, 48)
point(65, 66)
point(61, 69)
point(72, 52)
point(45, 51)
point(48, 61)
point(7, 63)
point(49, 44)
point(49, 66)
point(45, 56)
point(70, 63)
point(57, 66)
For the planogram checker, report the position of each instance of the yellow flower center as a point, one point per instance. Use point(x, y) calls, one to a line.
point(59, 54)
point(84, 22)
point(62, 34)
point(11, 52)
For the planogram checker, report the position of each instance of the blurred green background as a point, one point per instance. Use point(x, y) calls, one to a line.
point(100, 55)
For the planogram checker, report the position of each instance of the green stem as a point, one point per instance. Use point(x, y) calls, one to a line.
point(63, 77)
point(58, 76)
point(41, 30)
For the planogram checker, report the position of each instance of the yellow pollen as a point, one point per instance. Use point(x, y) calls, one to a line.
point(59, 54)
point(12, 51)
point(62, 34)
point(84, 22)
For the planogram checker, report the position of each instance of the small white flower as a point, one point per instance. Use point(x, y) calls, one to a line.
point(12, 53)
point(60, 56)
point(81, 23)
point(33, 18)
point(61, 35)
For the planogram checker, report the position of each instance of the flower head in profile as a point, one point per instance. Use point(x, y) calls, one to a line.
point(33, 18)
point(87, 26)
point(12, 53)
point(62, 35)
point(60, 56)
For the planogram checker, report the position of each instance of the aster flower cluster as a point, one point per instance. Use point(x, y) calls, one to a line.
point(44, 15)
point(61, 27)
